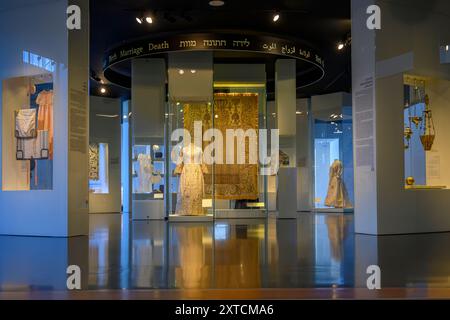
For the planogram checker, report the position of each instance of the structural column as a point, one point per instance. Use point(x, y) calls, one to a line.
point(285, 101)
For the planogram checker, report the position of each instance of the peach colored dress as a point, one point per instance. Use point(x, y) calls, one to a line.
point(45, 116)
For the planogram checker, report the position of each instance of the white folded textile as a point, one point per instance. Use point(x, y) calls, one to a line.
point(26, 123)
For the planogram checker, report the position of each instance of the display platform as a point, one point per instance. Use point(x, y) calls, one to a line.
point(240, 213)
point(333, 210)
point(184, 218)
point(417, 187)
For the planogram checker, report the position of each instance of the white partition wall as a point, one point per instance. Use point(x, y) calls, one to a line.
point(45, 51)
point(286, 106)
point(104, 135)
point(148, 99)
point(381, 59)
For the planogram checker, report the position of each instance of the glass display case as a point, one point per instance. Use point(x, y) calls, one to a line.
point(425, 107)
point(206, 176)
point(27, 136)
point(189, 176)
point(239, 113)
point(333, 160)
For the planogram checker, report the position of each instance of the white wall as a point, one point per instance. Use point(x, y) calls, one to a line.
point(46, 212)
point(107, 130)
point(304, 156)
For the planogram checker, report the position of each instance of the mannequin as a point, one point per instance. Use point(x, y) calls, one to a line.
point(191, 187)
point(337, 196)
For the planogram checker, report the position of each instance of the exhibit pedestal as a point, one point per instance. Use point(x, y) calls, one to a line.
point(287, 186)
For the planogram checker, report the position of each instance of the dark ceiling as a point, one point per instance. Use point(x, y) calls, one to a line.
point(321, 23)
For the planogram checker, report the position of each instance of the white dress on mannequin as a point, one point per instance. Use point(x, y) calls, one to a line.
point(337, 196)
point(191, 186)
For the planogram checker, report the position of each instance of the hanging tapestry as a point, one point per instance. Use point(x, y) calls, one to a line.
point(93, 162)
point(231, 111)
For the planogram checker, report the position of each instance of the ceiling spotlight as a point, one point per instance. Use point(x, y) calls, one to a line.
point(103, 90)
point(181, 71)
point(340, 46)
point(149, 20)
point(216, 3)
point(139, 20)
point(276, 17)
point(193, 71)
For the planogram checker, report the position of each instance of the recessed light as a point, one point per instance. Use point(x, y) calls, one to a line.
point(446, 48)
point(181, 71)
point(103, 90)
point(216, 3)
point(139, 20)
point(340, 46)
point(276, 17)
point(193, 71)
point(149, 19)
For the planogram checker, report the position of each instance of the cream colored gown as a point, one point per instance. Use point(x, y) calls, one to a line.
point(337, 196)
point(191, 186)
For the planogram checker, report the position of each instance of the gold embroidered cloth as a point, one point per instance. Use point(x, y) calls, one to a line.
point(231, 111)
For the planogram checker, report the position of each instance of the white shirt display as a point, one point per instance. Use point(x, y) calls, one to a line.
point(146, 177)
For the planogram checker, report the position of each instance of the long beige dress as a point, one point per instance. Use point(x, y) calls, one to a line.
point(337, 196)
point(45, 117)
point(192, 186)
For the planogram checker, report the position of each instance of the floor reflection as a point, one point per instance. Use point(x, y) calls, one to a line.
point(311, 251)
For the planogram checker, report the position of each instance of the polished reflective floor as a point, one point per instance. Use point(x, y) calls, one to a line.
point(312, 251)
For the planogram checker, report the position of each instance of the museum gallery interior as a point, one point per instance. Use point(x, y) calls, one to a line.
point(224, 144)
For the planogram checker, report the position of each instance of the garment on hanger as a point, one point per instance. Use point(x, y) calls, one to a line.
point(33, 148)
point(337, 196)
point(191, 188)
point(45, 116)
point(26, 123)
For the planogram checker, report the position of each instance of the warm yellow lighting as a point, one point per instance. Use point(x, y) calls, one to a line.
point(238, 85)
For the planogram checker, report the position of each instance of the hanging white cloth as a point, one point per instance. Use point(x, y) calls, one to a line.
point(337, 196)
point(26, 123)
